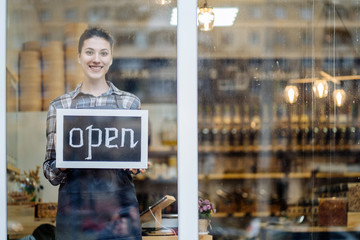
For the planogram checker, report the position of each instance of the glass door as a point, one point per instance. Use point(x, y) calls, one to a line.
point(42, 64)
point(278, 118)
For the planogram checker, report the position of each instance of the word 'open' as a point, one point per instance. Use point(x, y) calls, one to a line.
point(110, 135)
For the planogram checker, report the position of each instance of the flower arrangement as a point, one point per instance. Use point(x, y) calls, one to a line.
point(27, 186)
point(205, 208)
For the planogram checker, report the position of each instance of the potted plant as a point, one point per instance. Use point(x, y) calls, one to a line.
point(205, 208)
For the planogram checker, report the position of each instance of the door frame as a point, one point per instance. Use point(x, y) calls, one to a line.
point(186, 113)
point(187, 108)
point(3, 190)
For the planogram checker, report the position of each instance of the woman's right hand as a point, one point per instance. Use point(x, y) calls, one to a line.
point(61, 169)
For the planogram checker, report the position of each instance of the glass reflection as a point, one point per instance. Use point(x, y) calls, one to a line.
point(285, 91)
point(42, 63)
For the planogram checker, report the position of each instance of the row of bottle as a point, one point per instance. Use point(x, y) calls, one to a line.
point(280, 136)
point(227, 125)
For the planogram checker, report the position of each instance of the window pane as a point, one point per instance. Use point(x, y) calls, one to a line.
point(42, 64)
point(278, 119)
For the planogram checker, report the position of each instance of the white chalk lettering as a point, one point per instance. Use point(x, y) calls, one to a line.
point(111, 135)
point(123, 133)
point(81, 143)
point(108, 139)
point(90, 145)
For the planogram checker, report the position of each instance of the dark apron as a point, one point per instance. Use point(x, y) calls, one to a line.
point(97, 204)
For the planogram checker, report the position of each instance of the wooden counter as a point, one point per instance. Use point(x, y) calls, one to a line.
point(24, 215)
point(201, 237)
point(309, 232)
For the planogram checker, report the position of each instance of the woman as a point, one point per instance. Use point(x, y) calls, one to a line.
point(93, 203)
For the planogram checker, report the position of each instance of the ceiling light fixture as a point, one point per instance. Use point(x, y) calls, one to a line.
point(163, 2)
point(321, 88)
point(291, 94)
point(225, 17)
point(339, 97)
point(206, 18)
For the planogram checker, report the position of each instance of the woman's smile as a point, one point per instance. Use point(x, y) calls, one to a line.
point(95, 58)
point(95, 68)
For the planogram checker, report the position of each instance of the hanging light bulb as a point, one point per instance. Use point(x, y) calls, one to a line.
point(320, 88)
point(163, 2)
point(206, 18)
point(291, 94)
point(339, 97)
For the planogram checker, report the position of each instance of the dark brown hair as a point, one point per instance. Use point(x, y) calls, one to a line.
point(95, 32)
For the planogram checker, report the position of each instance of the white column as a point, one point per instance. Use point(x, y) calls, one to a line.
point(187, 119)
point(3, 192)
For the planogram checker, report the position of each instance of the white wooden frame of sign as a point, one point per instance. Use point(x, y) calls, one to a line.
point(60, 161)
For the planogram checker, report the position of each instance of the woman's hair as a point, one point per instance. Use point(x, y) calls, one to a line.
point(44, 232)
point(95, 32)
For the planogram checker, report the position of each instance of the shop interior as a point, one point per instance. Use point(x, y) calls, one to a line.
point(278, 109)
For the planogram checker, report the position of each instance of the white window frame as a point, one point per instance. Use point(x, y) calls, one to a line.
point(187, 103)
point(3, 190)
point(186, 113)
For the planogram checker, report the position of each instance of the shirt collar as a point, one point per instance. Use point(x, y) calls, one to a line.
point(112, 90)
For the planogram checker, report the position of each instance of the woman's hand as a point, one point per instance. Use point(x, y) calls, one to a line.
point(141, 170)
point(61, 169)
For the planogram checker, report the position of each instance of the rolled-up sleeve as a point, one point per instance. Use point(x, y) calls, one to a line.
point(53, 174)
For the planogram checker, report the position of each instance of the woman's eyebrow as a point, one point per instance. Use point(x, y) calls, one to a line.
point(104, 49)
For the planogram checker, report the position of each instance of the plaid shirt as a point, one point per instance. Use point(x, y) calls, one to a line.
point(112, 98)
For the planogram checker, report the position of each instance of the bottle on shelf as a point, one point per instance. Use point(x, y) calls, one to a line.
point(226, 128)
point(305, 131)
point(217, 122)
point(245, 129)
point(255, 126)
point(295, 130)
point(283, 127)
point(235, 130)
point(275, 126)
point(205, 127)
point(169, 132)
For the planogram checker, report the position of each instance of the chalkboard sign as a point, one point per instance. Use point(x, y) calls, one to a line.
point(101, 138)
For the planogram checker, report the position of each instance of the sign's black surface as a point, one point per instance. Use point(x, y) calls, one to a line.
point(101, 138)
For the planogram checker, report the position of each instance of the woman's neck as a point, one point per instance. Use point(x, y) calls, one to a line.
point(94, 88)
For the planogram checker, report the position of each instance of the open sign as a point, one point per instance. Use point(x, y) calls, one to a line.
point(101, 138)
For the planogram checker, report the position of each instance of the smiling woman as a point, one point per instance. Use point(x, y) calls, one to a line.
point(95, 58)
point(100, 203)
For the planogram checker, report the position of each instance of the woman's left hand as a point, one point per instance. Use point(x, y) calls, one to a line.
point(141, 170)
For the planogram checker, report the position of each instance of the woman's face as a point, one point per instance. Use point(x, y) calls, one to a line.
point(95, 58)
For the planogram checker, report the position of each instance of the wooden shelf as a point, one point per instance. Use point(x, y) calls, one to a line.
point(270, 148)
point(241, 214)
point(312, 229)
point(275, 175)
point(162, 151)
point(201, 237)
point(338, 175)
point(11, 168)
point(245, 176)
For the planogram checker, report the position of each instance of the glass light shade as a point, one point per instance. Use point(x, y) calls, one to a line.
point(339, 96)
point(206, 18)
point(321, 88)
point(291, 94)
point(163, 2)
